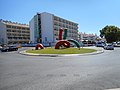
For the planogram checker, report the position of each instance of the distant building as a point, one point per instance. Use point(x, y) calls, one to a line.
point(87, 37)
point(13, 32)
point(44, 28)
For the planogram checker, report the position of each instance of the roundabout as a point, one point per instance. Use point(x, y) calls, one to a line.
point(50, 52)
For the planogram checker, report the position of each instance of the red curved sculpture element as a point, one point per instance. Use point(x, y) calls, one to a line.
point(60, 33)
point(62, 42)
point(39, 46)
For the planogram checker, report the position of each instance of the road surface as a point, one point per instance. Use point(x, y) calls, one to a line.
point(91, 72)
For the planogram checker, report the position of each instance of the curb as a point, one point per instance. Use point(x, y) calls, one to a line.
point(59, 55)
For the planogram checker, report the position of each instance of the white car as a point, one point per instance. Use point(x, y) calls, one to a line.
point(99, 44)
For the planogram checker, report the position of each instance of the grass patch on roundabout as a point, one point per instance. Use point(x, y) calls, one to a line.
point(61, 51)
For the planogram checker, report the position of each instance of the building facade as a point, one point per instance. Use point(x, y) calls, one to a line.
point(13, 32)
point(87, 37)
point(44, 28)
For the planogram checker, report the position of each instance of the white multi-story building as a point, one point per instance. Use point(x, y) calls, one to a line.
point(87, 37)
point(13, 32)
point(44, 28)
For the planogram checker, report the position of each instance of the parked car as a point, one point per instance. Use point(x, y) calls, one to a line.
point(116, 44)
point(12, 48)
point(100, 44)
point(9, 48)
point(4, 49)
point(0, 47)
point(109, 47)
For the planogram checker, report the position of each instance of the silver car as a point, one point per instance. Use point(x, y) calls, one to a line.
point(109, 47)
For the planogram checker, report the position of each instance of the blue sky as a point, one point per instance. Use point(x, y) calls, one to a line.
point(91, 15)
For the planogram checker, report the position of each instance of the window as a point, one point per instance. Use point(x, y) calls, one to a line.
point(63, 25)
point(28, 29)
point(55, 18)
point(18, 27)
point(14, 27)
point(23, 31)
point(9, 37)
point(19, 31)
point(23, 28)
point(66, 22)
point(13, 30)
point(8, 26)
point(8, 30)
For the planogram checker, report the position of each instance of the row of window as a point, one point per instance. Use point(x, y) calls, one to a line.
point(64, 21)
point(19, 31)
point(17, 27)
point(22, 35)
point(64, 24)
point(69, 31)
point(69, 35)
point(17, 38)
point(16, 42)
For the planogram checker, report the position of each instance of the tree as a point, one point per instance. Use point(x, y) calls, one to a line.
point(110, 33)
point(119, 35)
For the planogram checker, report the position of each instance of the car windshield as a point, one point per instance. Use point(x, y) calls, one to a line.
point(109, 45)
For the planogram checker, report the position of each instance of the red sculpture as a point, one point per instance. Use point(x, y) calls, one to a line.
point(62, 42)
point(60, 34)
point(39, 46)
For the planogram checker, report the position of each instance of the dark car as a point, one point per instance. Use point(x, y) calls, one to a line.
point(9, 48)
point(12, 48)
point(0, 47)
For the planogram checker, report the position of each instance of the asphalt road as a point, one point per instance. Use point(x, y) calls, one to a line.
point(91, 72)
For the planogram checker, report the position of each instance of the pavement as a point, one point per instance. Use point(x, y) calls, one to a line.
point(92, 72)
point(99, 51)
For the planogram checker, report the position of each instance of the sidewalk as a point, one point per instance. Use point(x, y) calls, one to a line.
point(99, 51)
